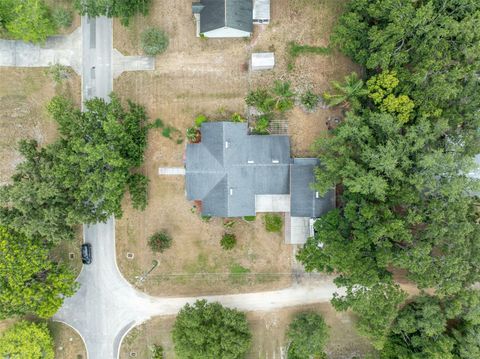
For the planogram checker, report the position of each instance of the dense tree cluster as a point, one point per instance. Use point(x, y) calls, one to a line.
point(30, 282)
point(82, 177)
point(209, 330)
point(401, 158)
point(124, 9)
point(307, 336)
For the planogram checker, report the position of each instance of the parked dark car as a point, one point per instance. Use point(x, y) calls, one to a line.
point(86, 253)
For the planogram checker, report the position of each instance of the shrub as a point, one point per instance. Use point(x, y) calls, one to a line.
point(157, 351)
point(273, 222)
point(137, 186)
point(228, 241)
point(249, 218)
point(154, 41)
point(62, 17)
point(199, 120)
point(236, 117)
point(261, 99)
point(209, 330)
point(238, 273)
point(58, 72)
point(309, 100)
point(160, 241)
point(307, 335)
point(261, 125)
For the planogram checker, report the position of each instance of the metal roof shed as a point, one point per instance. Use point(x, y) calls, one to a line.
point(261, 11)
point(262, 61)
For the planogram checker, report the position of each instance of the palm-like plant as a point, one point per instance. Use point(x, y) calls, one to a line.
point(347, 93)
point(283, 96)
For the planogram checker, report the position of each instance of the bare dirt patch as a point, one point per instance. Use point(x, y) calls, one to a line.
point(68, 344)
point(268, 334)
point(24, 94)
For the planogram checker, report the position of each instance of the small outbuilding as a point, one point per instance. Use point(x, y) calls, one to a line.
point(261, 11)
point(262, 61)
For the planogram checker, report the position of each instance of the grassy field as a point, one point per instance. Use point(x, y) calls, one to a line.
point(68, 344)
point(268, 334)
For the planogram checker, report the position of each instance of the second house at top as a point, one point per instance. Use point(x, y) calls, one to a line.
point(229, 18)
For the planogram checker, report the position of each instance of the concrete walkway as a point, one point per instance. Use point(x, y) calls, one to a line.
point(64, 49)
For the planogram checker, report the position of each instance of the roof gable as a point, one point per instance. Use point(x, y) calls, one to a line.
point(217, 14)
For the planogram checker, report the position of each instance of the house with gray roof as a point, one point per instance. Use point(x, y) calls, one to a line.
point(229, 18)
point(235, 174)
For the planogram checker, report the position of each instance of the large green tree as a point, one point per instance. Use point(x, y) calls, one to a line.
point(82, 177)
point(430, 327)
point(30, 282)
point(25, 340)
point(210, 331)
point(307, 336)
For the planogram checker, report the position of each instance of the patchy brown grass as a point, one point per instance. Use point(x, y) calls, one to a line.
point(24, 94)
point(268, 334)
point(199, 76)
point(68, 344)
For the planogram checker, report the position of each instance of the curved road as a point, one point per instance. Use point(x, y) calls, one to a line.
point(106, 306)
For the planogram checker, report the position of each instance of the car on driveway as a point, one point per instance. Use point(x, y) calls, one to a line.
point(86, 253)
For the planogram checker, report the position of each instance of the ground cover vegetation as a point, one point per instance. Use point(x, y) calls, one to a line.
point(123, 9)
point(400, 160)
point(209, 330)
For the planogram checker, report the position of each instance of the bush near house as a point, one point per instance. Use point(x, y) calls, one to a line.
point(273, 222)
point(160, 241)
point(228, 241)
point(154, 41)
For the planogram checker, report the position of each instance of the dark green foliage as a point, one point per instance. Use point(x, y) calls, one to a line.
point(124, 9)
point(228, 241)
point(307, 336)
point(82, 177)
point(432, 328)
point(154, 41)
point(279, 98)
point(309, 100)
point(160, 241)
point(400, 157)
point(137, 186)
point(27, 20)
point(209, 330)
point(62, 17)
point(273, 222)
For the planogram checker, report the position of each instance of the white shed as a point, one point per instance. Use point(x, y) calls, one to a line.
point(261, 11)
point(262, 61)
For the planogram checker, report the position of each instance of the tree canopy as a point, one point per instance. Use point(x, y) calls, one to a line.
point(400, 159)
point(27, 340)
point(307, 335)
point(30, 282)
point(124, 9)
point(210, 331)
point(82, 177)
point(27, 20)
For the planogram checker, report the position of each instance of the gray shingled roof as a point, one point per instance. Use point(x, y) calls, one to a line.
point(229, 167)
point(216, 14)
point(303, 200)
